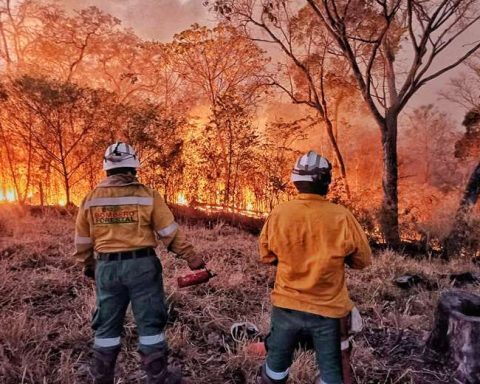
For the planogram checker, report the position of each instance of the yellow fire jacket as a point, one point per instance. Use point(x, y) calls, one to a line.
point(121, 214)
point(312, 239)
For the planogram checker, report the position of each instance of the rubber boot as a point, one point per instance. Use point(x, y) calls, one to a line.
point(155, 366)
point(264, 379)
point(103, 365)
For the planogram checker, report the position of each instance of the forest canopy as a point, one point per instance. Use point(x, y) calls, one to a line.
point(219, 114)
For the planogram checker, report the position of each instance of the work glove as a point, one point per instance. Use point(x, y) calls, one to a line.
point(89, 271)
point(196, 262)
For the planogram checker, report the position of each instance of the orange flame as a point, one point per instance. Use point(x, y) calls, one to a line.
point(249, 200)
point(182, 199)
point(8, 195)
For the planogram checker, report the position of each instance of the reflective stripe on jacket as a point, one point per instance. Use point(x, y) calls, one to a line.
point(122, 214)
point(312, 239)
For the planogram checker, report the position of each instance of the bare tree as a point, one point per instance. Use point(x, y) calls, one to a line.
point(312, 73)
point(57, 120)
point(464, 89)
point(426, 147)
point(19, 29)
point(19, 154)
point(277, 156)
point(430, 28)
point(371, 35)
point(225, 70)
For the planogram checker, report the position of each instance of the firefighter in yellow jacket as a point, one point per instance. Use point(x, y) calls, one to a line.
point(310, 240)
point(118, 226)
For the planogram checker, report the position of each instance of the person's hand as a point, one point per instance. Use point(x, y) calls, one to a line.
point(89, 271)
point(196, 262)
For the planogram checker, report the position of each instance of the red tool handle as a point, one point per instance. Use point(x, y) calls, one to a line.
point(194, 278)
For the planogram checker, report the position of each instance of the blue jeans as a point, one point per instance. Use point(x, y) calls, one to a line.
point(139, 281)
point(288, 327)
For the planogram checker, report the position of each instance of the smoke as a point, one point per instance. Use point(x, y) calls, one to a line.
point(151, 19)
point(161, 19)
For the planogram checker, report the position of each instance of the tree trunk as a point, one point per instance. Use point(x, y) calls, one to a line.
point(29, 168)
point(228, 185)
point(42, 198)
point(338, 155)
point(67, 190)
point(456, 239)
point(235, 182)
point(389, 212)
point(6, 49)
point(11, 165)
point(456, 333)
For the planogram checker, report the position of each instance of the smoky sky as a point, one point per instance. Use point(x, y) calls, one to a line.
point(161, 19)
point(152, 19)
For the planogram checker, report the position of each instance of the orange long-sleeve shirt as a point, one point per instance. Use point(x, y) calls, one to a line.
point(122, 214)
point(312, 239)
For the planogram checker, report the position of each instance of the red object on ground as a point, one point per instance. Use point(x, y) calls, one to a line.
point(257, 349)
point(194, 278)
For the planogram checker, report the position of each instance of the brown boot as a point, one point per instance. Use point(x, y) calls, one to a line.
point(155, 366)
point(263, 378)
point(103, 365)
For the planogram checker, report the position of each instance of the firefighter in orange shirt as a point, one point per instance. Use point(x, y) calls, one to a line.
point(310, 240)
point(118, 226)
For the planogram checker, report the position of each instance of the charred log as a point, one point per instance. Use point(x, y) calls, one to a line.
point(456, 333)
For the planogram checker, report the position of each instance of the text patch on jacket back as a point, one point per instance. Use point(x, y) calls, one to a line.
point(115, 214)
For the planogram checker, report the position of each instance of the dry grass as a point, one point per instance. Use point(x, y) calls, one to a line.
point(46, 305)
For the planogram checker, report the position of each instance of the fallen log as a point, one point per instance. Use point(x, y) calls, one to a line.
point(456, 333)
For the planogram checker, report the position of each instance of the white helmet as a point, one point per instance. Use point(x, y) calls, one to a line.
point(120, 155)
point(312, 167)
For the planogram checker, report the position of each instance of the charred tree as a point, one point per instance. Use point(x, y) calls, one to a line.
point(370, 51)
point(472, 191)
point(456, 239)
point(393, 21)
point(456, 333)
point(389, 210)
point(467, 147)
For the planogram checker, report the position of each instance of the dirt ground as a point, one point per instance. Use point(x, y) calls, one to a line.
point(46, 305)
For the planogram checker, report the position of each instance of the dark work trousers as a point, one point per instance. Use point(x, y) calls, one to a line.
point(287, 329)
point(119, 282)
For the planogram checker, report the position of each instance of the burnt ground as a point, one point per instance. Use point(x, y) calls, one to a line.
point(46, 305)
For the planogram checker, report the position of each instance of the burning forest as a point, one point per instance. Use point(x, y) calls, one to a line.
point(330, 130)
